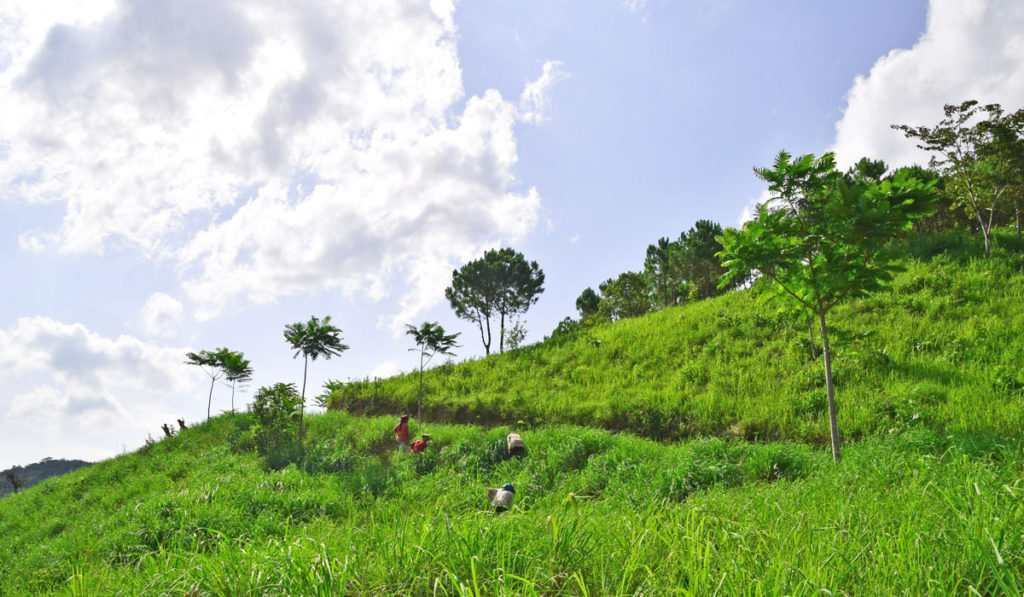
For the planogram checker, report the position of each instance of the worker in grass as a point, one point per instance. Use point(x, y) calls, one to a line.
point(420, 446)
point(402, 432)
point(501, 499)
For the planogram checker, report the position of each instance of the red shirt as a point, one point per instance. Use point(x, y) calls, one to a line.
point(402, 432)
point(419, 446)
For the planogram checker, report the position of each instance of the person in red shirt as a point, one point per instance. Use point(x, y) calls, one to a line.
point(420, 445)
point(402, 432)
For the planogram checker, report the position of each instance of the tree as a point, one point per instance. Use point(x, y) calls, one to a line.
point(430, 340)
point(819, 241)
point(313, 339)
point(701, 268)
point(625, 296)
point(588, 303)
point(663, 270)
point(12, 478)
point(961, 144)
point(237, 369)
point(499, 284)
point(210, 363)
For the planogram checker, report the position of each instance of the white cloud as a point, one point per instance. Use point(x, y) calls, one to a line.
point(161, 315)
point(533, 102)
point(64, 378)
point(385, 369)
point(634, 5)
point(269, 148)
point(971, 49)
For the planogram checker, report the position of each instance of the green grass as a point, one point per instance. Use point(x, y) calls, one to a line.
point(596, 513)
point(704, 473)
point(942, 348)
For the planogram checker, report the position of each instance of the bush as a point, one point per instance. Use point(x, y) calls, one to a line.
point(275, 411)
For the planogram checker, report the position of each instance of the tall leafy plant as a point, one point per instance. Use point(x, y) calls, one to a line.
point(431, 340)
point(819, 241)
point(313, 339)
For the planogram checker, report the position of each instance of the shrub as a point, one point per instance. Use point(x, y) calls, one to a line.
point(276, 411)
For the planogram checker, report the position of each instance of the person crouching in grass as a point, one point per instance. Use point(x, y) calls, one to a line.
point(419, 446)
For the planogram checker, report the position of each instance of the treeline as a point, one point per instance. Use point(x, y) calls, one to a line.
point(977, 168)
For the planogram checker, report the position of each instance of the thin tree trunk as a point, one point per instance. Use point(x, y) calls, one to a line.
point(232, 395)
point(209, 400)
point(501, 339)
point(1016, 213)
point(832, 411)
point(419, 395)
point(302, 404)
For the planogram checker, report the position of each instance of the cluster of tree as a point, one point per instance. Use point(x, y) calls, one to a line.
point(978, 152)
point(675, 272)
point(497, 288)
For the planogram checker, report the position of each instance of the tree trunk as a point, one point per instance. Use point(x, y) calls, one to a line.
point(209, 400)
point(501, 338)
point(1016, 213)
point(232, 395)
point(419, 395)
point(832, 411)
point(302, 403)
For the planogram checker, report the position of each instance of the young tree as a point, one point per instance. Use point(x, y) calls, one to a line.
point(236, 369)
point(210, 363)
point(500, 284)
point(430, 340)
point(960, 141)
point(313, 339)
point(819, 241)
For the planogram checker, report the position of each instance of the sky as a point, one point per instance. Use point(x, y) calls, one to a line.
point(177, 176)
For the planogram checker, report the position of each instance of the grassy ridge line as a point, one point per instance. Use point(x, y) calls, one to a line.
point(943, 344)
point(188, 516)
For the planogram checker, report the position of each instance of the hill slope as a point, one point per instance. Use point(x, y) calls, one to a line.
point(595, 513)
point(929, 499)
point(943, 346)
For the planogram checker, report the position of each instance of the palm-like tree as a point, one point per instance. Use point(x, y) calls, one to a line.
point(313, 339)
point(210, 363)
point(237, 369)
point(430, 340)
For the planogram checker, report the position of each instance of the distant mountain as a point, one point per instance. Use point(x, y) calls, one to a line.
point(27, 476)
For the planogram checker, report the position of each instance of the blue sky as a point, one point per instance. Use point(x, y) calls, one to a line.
point(183, 176)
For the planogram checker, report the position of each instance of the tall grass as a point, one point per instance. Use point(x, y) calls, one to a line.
point(596, 513)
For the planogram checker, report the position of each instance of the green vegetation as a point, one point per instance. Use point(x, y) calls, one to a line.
point(596, 513)
point(929, 497)
point(942, 347)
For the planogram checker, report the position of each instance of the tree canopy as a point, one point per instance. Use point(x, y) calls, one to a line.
point(499, 285)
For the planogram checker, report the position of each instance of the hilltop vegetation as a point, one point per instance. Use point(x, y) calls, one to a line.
point(940, 348)
point(928, 498)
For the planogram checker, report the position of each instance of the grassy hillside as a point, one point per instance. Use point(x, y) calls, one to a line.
point(929, 498)
point(596, 513)
point(943, 348)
